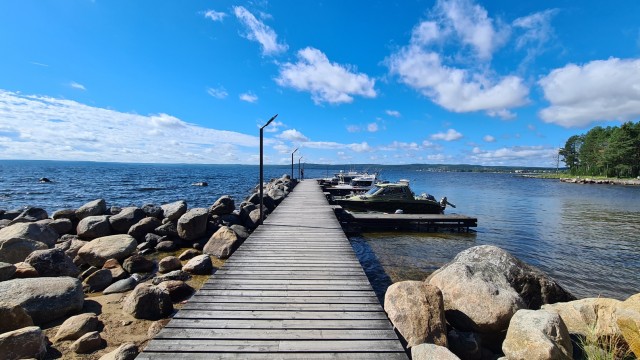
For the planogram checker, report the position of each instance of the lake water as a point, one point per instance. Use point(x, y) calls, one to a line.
point(585, 236)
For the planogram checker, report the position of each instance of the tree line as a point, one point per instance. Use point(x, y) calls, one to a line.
point(611, 151)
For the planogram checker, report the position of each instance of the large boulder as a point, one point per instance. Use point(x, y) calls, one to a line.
point(69, 214)
point(92, 227)
point(223, 243)
point(590, 316)
point(416, 310)
point(173, 211)
point(19, 240)
point(432, 352)
point(117, 272)
point(173, 275)
point(30, 214)
point(101, 249)
point(143, 227)
point(169, 229)
point(13, 317)
point(92, 208)
point(224, 205)
point(148, 302)
point(61, 226)
point(178, 290)
point(25, 343)
point(125, 219)
point(537, 335)
point(24, 270)
point(52, 262)
point(76, 326)
point(193, 224)
point(169, 263)
point(484, 286)
point(199, 265)
point(152, 210)
point(44, 300)
point(71, 247)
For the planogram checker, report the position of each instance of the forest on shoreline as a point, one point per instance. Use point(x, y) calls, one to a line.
point(610, 152)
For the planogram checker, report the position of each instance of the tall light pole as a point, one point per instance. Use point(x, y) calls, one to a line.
point(299, 173)
point(294, 151)
point(261, 172)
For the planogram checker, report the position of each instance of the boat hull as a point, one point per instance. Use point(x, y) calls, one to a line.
point(407, 207)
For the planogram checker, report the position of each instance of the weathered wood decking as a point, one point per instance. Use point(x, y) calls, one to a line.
point(293, 290)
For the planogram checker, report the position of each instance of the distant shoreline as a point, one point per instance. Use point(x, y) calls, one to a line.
point(587, 180)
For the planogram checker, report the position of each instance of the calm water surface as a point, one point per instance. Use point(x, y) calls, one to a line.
point(586, 236)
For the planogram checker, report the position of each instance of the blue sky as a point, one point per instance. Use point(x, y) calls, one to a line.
point(448, 81)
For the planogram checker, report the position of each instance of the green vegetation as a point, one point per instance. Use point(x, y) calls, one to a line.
point(611, 347)
point(610, 152)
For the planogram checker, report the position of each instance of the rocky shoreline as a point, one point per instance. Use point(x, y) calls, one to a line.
point(487, 304)
point(608, 181)
point(98, 282)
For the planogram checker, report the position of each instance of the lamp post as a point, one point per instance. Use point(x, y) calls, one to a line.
point(299, 173)
point(294, 151)
point(261, 172)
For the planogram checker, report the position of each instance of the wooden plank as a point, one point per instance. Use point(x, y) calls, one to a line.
point(273, 355)
point(252, 306)
point(275, 334)
point(351, 324)
point(281, 315)
point(291, 293)
point(259, 346)
point(198, 298)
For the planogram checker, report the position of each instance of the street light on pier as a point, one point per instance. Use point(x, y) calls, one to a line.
point(261, 166)
point(294, 151)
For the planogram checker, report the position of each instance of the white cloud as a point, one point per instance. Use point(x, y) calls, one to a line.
point(214, 15)
point(489, 138)
point(275, 126)
point(293, 135)
point(40, 127)
point(399, 145)
point(260, 32)
point(517, 155)
point(326, 81)
point(249, 97)
point(537, 33)
point(601, 90)
point(282, 149)
point(372, 127)
point(361, 147)
point(353, 128)
point(503, 114)
point(456, 89)
point(75, 85)
point(218, 93)
point(449, 135)
point(393, 113)
point(472, 25)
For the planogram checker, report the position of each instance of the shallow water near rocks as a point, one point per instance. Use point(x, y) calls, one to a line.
point(585, 236)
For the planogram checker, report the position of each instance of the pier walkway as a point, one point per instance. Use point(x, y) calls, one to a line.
point(293, 290)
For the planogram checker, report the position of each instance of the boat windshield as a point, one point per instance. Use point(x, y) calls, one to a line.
point(373, 190)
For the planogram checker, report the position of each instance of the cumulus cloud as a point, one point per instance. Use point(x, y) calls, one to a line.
point(489, 138)
point(293, 135)
point(393, 113)
point(601, 90)
point(455, 89)
point(249, 97)
point(449, 135)
point(372, 127)
point(275, 126)
point(40, 127)
point(471, 24)
point(326, 81)
point(75, 85)
point(214, 15)
point(463, 82)
point(218, 93)
point(259, 32)
point(400, 145)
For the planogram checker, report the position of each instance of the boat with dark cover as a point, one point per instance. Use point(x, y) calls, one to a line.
point(394, 198)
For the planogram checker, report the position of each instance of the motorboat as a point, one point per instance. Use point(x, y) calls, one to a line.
point(359, 184)
point(394, 198)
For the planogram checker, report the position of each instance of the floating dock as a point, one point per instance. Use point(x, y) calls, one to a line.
point(293, 290)
point(353, 222)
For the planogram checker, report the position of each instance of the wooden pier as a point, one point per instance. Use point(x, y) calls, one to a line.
point(293, 290)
